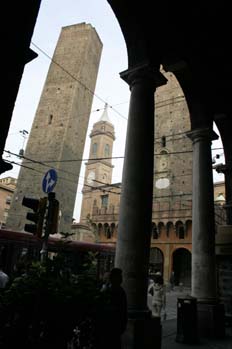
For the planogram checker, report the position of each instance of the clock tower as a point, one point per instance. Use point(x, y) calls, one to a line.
point(99, 167)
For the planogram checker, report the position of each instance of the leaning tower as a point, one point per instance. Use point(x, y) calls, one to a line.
point(59, 128)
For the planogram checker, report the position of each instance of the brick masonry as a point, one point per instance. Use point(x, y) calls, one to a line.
point(59, 128)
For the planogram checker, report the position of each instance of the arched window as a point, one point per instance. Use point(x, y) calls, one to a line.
point(154, 232)
point(107, 150)
point(156, 260)
point(112, 228)
point(169, 227)
point(94, 228)
point(100, 229)
point(104, 200)
point(160, 228)
point(94, 151)
point(164, 152)
point(188, 227)
point(107, 230)
point(180, 230)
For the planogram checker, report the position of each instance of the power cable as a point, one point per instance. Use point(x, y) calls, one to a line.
point(65, 179)
point(80, 82)
point(44, 164)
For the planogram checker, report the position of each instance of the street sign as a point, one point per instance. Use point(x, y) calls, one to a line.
point(49, 181)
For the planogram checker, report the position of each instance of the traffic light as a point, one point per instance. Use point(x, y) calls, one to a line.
point(55, 216)
point(39, 207)
point(52, 217)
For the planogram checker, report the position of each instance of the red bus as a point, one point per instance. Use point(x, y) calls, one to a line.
point(16, 246)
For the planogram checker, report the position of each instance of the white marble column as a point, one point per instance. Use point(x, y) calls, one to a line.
point(203, 226)
point(133, 243)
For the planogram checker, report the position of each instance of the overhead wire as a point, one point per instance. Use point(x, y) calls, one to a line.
point(158, 104)
point(65, 179)
point(76, 79)
point(46, 162)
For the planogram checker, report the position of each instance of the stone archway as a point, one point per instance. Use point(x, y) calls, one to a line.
point(156, 261)
point(182, 266)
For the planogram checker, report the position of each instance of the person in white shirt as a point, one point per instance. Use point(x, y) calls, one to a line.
point(157, 291)
point(4, 278)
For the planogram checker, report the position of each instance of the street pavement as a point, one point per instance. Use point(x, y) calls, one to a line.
point(171, 302)
point(169, 326)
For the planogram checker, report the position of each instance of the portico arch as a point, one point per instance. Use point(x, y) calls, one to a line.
point(181, 260)
point(156, 261)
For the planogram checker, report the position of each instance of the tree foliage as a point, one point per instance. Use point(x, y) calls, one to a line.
point(46, 305)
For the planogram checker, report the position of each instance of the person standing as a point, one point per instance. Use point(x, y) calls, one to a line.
point(112, 313)
point(105, 281)
point(158, 292)
point(172, 280)
point(4, 278)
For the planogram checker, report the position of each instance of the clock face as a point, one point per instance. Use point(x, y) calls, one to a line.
point(91, 177)
point(162, 183)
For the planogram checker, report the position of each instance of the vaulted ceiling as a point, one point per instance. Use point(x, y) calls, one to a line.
point(191, 38)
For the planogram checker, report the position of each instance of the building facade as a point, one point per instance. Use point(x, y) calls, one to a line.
point(59, 128)
point(172, 192)
point(7, 187)
point(171, 230)
point(100, 203)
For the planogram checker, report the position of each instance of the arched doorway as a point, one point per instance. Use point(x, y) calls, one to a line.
point(156, 261)
point(182, 267)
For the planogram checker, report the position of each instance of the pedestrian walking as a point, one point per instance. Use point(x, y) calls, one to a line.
point(4, 278)
point(111, 320)
point(158, 293)
point(172, 280)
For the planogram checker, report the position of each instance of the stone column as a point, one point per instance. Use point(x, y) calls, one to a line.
point(204, 288)
point(135, 216)
point(133, 243)
point(203, 226)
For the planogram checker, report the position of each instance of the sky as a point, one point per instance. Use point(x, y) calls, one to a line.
point(53, 15)
point(110, 88)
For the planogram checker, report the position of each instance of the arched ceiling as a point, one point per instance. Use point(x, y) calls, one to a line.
point(190, 38)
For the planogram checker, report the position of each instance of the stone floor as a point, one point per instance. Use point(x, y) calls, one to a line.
point(169, 326)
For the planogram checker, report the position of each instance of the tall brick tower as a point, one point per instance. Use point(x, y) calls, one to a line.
point(59, 128)
point(173, 154)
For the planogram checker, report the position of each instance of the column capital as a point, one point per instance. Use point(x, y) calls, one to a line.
point(224, 168)
point(143, 72)
point(201, 134)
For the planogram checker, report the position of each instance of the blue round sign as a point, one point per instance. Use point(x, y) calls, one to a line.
point(49, 181)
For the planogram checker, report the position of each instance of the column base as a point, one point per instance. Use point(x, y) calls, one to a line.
point(211, 320)
point(143, 333)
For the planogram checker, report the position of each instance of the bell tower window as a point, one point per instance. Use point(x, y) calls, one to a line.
point(94, 150)
point(104, 200)
point(107, 150)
